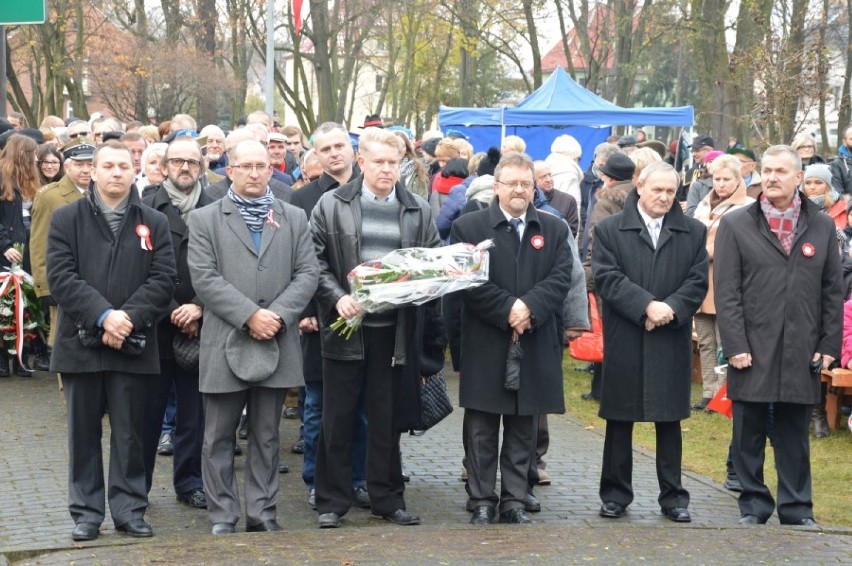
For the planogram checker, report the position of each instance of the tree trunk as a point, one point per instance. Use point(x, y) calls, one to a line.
point(845, 101)
point(536, 53)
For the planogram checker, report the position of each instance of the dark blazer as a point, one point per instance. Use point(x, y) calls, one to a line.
point(306, 198)
point(90, 270)
point(647, 375)
point(12, 229)
point(158, 199)
point(540, 278)
point(782, 309)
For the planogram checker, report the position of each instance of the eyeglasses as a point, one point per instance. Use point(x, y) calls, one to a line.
point(179, 162)
point(50, 163)
point(806, 147)
point(78, 134)
point(250, 167)
point(525, 185)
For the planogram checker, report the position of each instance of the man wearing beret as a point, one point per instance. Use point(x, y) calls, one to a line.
point(77, 162)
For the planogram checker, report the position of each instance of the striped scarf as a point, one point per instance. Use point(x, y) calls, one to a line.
point(253, 211)
point(782, 223)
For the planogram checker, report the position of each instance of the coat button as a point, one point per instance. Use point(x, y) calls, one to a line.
point(260, 268)
point(261, 302)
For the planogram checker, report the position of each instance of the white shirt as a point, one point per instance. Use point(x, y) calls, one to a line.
point(522, 218)
point(654, 225)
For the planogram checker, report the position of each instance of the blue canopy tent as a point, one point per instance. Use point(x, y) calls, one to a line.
point(560, 106)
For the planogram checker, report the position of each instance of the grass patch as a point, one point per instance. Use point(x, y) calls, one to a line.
point(705, 447)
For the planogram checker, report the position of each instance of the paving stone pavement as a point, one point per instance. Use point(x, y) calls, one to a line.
point(34, 516)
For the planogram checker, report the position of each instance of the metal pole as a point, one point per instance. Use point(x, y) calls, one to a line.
point(2, 71)
point(270, 57)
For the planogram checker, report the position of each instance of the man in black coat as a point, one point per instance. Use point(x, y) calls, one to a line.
point(111, 270)
point(176, 197)
point(650, 267)
point(334, 150)
point(779, 302)
point(529, 277)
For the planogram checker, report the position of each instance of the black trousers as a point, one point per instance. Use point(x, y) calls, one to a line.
point(86, 397)
point(343, 382)
point(518, 450)
point(617, 473)
point(189, 425)
point(792, 459)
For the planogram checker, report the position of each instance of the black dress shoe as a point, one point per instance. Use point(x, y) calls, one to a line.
point(264, 527)
point(531, 503)
point(136, 528)
point(589, 397)
point(677, 514)
point(806, 522)
point(482, 515)
point(515, 516)
point(85, 531)
point(406, 477)
point(238, 450)
point(750, 520)
point(194, 498)
point(222, 529)
point(400, 517)
point(166, 446)
point(42, 361)
point(298, 447)
point(329, 521)
point(291, 413)
point(361, 498)
point(612, 510)
point(283, 468)
point(732, 483)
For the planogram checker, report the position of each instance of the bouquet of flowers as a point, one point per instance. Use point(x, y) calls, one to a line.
point(413, 276)
point(21, 315)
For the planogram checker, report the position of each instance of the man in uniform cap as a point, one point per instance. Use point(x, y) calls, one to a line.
point(701, 146)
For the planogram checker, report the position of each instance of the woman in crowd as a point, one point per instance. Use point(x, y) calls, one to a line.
point(805, 146)
point(565, 153)
point(49, 164)
point(152, 166)
point(728, 193)
point(412, 173)
point(817, 187)
point(19, 181)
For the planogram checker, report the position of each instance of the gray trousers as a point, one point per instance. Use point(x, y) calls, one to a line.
point(87, 395)
point(221, 417)
point(482, 430)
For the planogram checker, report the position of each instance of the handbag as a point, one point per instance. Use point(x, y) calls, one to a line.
point(435, 402)
point(589, 346)
point(133, 345)
point(186, 351)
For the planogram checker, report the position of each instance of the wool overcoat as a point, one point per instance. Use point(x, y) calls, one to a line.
point(233, 280)
point(536, 270)
point(647, 375)
point(781, 309)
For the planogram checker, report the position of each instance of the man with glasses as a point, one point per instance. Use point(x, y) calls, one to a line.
point(528, 279)
point(103, 126)
point(254, 269)
point(180, 194)
point(748, 161)
point(78, 128)
point(219, 189)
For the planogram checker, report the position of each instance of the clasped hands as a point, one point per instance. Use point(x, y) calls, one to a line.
point(117, 327)
point(186, 318)
point(657, 313)
point(263, 324)
point(520, 317)
point(742, 361)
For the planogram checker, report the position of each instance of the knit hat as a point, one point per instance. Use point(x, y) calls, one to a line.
point(429, 146)
point(711, 155)
point(489, 162)
point(619, 167)
point(820, 171)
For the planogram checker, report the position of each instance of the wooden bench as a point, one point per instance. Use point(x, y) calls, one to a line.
point(839, 382)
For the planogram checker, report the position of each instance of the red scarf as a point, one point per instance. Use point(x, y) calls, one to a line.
point(444, 184)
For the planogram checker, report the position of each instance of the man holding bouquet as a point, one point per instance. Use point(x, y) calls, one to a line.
point(360, 221)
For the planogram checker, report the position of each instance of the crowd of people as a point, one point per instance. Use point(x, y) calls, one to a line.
point(191, 277)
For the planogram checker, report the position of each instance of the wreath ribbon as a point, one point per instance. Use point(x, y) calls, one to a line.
point(9, 281)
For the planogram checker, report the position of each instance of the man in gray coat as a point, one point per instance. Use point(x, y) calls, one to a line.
point(779, 303)
point(254, 268)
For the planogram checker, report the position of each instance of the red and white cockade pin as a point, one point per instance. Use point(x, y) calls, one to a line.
point(144, 234)
point(537, 241)
point(808, 250)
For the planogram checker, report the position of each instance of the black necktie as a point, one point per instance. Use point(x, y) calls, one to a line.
point(516, 224)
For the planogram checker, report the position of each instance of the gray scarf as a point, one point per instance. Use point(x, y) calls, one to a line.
point(181, 200)
point(112, 216)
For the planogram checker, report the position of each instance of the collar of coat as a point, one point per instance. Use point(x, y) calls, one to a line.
point(134, 199)
point(809, 209)
point(160, 198)
point(326, 182)
point(674, 220)
point(352, 190)
point(496, 216)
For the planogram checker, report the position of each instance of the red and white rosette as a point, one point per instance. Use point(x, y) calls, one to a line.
point(537, 241)
point(808, 249)
point(144, 234)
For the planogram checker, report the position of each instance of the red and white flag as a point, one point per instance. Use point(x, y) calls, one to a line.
point(297, 16)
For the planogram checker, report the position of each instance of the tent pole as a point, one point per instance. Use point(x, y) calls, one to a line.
point(502, 125)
